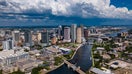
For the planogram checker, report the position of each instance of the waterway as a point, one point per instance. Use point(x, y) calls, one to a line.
point(114, 34)
point(82, 58)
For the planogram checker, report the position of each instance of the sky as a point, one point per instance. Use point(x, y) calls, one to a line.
point(65, 12)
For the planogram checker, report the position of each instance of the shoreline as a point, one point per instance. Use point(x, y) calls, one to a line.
point(55, 68)
point(63, 62)
point(75, 51)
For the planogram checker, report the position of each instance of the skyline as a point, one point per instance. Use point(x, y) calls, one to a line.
point(63, 12)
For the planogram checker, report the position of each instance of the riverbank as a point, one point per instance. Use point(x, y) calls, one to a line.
point(75, 51)
point(63, 62)
point(81, 59)
point(54, 68)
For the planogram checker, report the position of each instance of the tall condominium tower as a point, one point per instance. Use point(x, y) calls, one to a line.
point(59, 32)
point(28, 38)
point(86, 32)
point(8, 44)
point(16, 36)
point(79, 35)
point(73, 33)
point(82, 30)
point(67, 34)
point(45, 37)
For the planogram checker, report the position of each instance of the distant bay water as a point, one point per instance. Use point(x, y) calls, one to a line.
point(55, 26)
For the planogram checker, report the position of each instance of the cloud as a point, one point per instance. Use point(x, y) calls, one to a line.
point(81, 8)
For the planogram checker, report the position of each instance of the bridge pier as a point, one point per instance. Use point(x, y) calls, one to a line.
point(77, 69)
point(68, 65)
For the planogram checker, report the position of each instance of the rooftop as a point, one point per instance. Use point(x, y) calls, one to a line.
point(98, 71)
point(10, 53)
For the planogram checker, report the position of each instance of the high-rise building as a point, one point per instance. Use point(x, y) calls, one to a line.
point(73, 33)
point(93, 30)
point(53, 40)
point(82, 30)
point(28, 38)
point(2, 33)
point(45, 37)
point(8, 44)
point(39, 37)
point(35, 38)
point(16, 36)
point(67, 34)
point(59, 32)
point(86, 32)
point(79, 35)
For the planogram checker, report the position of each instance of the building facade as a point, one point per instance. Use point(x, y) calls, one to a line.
point(73, 33)
point(9, 57)
point(45, 37)
point(8, 44)
point(67, 34)
point(86, 33)
point(16, 37)
point(28, 38)
point(79, 35)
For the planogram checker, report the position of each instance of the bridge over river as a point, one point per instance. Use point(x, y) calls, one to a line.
point(77, 69)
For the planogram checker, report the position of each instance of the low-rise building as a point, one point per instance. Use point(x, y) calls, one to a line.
point(8, 57)
point(28, 65)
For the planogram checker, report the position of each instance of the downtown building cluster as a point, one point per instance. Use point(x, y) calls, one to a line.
point(14, 44)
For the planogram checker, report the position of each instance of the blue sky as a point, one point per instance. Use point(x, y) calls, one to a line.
point(122, 3)
point(65, 12)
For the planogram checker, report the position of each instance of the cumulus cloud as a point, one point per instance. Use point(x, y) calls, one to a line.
point(81, 8)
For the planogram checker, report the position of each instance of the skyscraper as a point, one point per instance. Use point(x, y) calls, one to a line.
point(53, 40)
point(45, 37)
point(79, 35)
point(39, 37)
point(28, 38)
point(86, 32)
point(67, 34)
point(16, 37)
point(73, 33)
point(82, 30)
point(8, 44)
point(59, 32)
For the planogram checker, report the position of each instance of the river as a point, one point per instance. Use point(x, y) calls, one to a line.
point(82, 58)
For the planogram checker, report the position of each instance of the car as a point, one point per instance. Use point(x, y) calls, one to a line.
point(115, 63)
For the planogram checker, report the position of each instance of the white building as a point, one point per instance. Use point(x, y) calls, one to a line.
point(8, 44)
point(8, 57)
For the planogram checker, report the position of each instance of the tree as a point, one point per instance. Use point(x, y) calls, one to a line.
point(58, 60)
point(26, 50)
point(107, 47)
point(130, 31)
point(0, 71)
point(112, 56)
point(18, 72)
point(36, 70)
point(1, 49)
point(129, 49)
